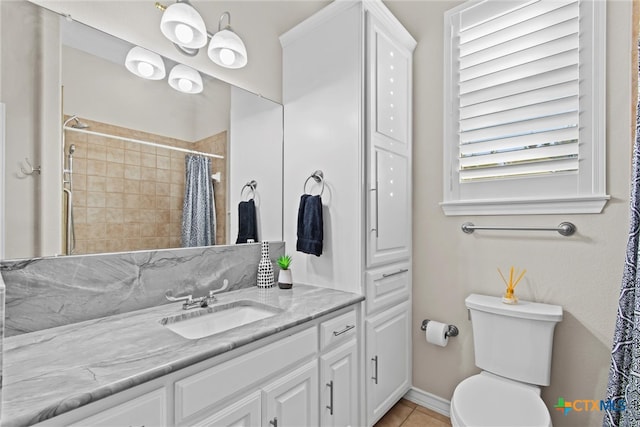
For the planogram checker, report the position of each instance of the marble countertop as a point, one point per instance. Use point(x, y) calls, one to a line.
point(49, 372)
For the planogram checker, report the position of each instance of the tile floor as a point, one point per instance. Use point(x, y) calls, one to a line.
point(408, 414)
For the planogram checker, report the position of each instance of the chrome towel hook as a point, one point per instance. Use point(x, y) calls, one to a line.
point(318, 177)
point(31, 169)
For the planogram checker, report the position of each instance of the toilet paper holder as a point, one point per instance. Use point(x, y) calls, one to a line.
point(451, 332)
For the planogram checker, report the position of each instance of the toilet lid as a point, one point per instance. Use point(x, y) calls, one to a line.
point(484, 400)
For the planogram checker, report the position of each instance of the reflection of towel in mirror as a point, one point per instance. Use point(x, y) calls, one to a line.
point(310, 225)
point(247, 227)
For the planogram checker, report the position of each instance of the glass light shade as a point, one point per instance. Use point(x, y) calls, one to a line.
point(227, 56)
point(185, 79)
point(184, 26)
point(144, 63)
point(227, 49)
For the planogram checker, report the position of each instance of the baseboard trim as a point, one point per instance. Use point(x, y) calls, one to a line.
point(429, 401)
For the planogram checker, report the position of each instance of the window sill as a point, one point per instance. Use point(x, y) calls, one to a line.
point(568, 205)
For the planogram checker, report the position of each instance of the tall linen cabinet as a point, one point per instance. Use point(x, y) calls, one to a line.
point(347, 85)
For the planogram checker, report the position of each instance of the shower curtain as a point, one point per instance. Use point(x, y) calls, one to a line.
point(198, 209)
point(623, 390)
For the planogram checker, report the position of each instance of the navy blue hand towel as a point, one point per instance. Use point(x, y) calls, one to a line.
point(247, 227)
point(310, 232)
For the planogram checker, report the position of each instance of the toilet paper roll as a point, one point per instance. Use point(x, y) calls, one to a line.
point(435, 333)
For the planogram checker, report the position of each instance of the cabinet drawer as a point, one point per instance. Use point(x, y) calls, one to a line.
point(338, 329)
point(147, 410)
point(209, 387)
point(387, 286)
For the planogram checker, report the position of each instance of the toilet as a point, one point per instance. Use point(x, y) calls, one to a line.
point(512, 345)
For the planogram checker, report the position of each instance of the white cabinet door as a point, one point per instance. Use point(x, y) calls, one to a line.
point(389, 89)
point(147, 410)
point(389, 86)
point(388, 358)
point(339, 386)
point(244, 413)
point(292, 401)
point(389, 218)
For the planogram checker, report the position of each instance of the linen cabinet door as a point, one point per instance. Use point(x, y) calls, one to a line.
point(388, 359)
point(389, 215)
point(292, 401)
point(389, 81)
point(339, 386)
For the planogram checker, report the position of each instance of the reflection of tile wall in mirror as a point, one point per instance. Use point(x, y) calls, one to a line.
point(129, 196)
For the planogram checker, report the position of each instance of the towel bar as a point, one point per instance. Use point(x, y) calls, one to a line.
point(565, 228)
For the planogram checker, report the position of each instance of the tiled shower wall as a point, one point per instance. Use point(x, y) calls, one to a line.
point(128, 196)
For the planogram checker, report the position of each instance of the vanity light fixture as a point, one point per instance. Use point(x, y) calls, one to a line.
point(185, 79)
point(182, 24)
point(226, 47)
point(144, 63)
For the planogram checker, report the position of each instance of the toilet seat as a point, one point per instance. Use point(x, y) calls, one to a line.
point(488, 400)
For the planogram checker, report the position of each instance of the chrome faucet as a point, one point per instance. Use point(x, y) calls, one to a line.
point(205, 301)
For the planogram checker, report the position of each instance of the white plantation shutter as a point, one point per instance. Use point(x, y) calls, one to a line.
point(518, 120)
point(519, 88)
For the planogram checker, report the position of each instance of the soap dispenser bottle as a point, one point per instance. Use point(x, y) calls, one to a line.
point(265, 268)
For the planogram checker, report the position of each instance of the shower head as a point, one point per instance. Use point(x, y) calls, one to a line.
point(77, 123)
point(68, 120)
point(72, 149)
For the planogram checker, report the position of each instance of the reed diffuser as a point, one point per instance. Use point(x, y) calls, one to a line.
point(509, 296)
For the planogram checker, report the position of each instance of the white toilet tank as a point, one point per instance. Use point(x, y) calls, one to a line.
point(513, 340)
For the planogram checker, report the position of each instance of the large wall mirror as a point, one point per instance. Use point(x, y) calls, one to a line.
point(94, 156)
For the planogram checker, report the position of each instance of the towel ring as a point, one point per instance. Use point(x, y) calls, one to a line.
point(252, 188)
point(318, 177)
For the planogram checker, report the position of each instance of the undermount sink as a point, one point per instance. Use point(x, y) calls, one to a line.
point(220, 318)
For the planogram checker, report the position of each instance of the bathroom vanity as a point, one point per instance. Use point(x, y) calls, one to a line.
point(298, 366)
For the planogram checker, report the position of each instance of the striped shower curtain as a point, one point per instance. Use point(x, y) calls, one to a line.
point(623, 390)
point(198, 209)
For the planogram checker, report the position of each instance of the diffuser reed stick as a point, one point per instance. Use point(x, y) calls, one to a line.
point(509, 296)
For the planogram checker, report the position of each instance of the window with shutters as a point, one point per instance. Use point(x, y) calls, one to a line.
point(524, 107)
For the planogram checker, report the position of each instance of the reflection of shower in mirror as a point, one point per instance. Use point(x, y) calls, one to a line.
point(67, 186)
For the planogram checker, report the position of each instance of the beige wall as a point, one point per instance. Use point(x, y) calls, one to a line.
point(581, 273)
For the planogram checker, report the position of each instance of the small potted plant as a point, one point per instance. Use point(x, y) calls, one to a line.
point(284, 277)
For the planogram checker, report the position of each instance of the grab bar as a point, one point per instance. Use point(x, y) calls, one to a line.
point(565, 228)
